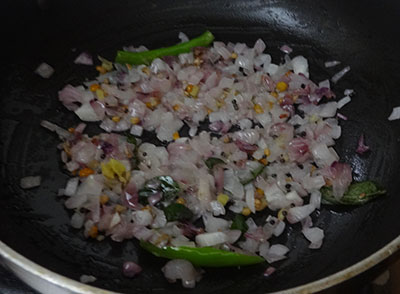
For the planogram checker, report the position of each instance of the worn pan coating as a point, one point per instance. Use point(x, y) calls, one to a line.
point(362, 34)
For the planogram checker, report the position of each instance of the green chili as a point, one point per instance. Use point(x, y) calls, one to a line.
point(204, 256)
point(147, 57)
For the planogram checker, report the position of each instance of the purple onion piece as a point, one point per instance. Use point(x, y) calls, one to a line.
point(339, 115)
point(130, 269)
point(362, 148)
point(269, 271)
point(153, 199)
point(106, 147)
point(286, 49)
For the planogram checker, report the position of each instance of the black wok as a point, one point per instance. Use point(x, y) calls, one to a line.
point(362, 34)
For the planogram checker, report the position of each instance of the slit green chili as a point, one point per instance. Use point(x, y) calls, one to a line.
point(146, 57)
point(203, 256)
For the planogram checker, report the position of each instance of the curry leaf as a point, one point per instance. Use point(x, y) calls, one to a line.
point(358, 193)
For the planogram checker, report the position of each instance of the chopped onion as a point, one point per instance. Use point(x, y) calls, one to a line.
point(87, 113)
point(71, 187)
point(215, 224)
point(342, 102)
point(395, 113)
point(182, 36)
point(339, 115)
point(30, 182)
point(300, 65)
point(286, 49)
point(361, 147)
point(77, 220)
point(315, 236)
point(348, 92)
point(87, 279)
point(130, 269)
point(332, 63)
point(44, 70)
point(340, 74)
point(269, 271)
point(296, 214)
point(179, 269)
point(84, 58)
point(276, 252)
point(211, 239)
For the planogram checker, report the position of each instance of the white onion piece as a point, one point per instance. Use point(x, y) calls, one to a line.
point(180, 269)
point(237, 206)
point(136, 130)
point(276, 252)
point(233, 185)
point(182, 36)
point(86, 113)
point(71, 187)
point(315, 236)
point(211, 239)
point(182, 241)
point(217, 208)
point(342, 102)
point(77, 220)
point(259, 46)
point(62, 133)
point(276, 198)
point(263, 249)
point(395, 113)
point(250, 245)
point(296, 214)
point(315, 199)
point(340, 74)
point(294, 198)
point(348, 92)
point(30, 182)
point(323, 156)
point(280, 227)
point(160, 220)
point(300, 65)
point(249, 188)
point(215, 224)
point(221, 50)
point(225, 83)
point(84, 58)
point(44, 70)
point(87, 279)
point(239, 48)
point(115, 220)
point(328, 110)
point(324, 84)
point(233, 235)
point(271, 69)
point(332, 63)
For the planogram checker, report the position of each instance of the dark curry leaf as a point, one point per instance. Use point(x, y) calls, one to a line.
point(177, 211)
point(358, 193)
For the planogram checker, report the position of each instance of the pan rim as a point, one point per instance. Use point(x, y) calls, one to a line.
point(69, 284)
